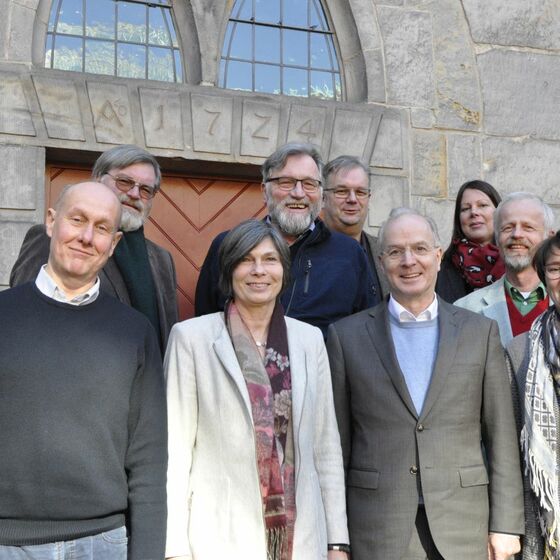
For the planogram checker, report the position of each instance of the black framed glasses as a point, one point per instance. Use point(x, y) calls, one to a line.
point(308, 184)
point(126, 184)
point(552, 271)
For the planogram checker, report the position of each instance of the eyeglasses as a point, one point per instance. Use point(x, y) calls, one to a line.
point(289, 183)
point(397, 253)
point(126, 184)
point(552, 271)
point(343, 194)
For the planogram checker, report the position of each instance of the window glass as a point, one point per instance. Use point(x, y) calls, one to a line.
point(280, 46)
point(129, 38)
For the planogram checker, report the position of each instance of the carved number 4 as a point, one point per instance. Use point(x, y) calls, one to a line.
point(306, 130)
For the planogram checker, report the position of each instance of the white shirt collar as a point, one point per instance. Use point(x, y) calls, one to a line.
point(402, 315)
point(47, 286)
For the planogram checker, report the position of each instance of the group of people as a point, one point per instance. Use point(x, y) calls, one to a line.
point(241, 433)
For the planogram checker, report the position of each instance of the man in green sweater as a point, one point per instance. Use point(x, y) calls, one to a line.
point(82, 404)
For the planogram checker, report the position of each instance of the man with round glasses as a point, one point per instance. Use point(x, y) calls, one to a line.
point(330, 275)
point(140, 273)
point(345, 208)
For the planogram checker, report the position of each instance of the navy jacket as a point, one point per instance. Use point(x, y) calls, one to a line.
point(330, 279)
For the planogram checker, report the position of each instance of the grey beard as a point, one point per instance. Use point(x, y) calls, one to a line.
point(131, 221)
point(518, 263)
point(290, 224)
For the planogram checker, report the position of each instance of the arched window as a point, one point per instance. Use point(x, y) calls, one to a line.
point(280, 46)
point(132, 39)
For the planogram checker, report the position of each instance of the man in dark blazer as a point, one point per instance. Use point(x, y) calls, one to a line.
point(425, 417)
point(346, 197)
point(140, 273)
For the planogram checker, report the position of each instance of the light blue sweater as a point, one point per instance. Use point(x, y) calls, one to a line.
point(416, 345)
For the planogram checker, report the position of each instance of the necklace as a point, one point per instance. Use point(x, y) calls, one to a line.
point(260, 344)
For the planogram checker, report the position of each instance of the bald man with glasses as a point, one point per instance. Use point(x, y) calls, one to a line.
point(140, 273)
point(330, 277)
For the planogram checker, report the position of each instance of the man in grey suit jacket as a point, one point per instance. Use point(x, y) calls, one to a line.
point(521, 222)
point(140, 273)
point(346, 197)
point(419, 390)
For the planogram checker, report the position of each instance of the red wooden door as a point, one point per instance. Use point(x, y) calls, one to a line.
point(186, 215)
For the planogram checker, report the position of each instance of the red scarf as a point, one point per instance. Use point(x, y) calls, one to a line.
point(480, 265)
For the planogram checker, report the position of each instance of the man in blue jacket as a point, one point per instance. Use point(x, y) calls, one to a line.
point(330, 278)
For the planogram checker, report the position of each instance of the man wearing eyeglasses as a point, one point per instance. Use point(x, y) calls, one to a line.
point(330, 275)
point(521, 222)
point(425, 419)
point(140, 273)
point(346, 196)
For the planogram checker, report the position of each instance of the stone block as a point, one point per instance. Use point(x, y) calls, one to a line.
point(464, 161)
point(422, 118)
point(18, 44)
point(259, 128)
point(111, 111)
point(388, 192)
point(307, 124)
point(375, 76)
point(429, 167)
point(532, 83)
point(11, 238)
point(524, 23)
point(389, 150)
point(528, 165)
point(60, 107)
point(441, 211)
point(15, 117)
point(351, 130)
point(23, 175)
point(212, 123)
point(162, 118)
point(409, 66)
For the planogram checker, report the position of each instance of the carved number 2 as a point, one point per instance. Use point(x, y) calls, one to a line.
point(258, 132)
point(213, 120)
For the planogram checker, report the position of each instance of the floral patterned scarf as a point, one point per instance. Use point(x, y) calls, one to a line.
point(480, 265)
point(270, 391)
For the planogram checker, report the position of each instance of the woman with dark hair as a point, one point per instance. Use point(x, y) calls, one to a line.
point(255, 464)
point(472, 260)
point(533, 360)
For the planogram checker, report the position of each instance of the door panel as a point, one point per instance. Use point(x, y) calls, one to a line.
point(186, 215)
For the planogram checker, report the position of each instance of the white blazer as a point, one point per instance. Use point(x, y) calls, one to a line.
point(214, 501)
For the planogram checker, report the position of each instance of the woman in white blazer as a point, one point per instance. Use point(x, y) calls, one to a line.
point(255, 464)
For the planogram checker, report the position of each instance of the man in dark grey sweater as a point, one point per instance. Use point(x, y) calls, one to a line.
point(82, 406)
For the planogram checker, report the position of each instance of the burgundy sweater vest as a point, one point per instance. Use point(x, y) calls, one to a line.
point(522, 323)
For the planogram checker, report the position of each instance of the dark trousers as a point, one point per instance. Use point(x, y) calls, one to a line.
point(422, 546)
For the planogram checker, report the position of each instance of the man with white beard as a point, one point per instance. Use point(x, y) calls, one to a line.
point(140, 273)
point(330, 278)
point(521, 222)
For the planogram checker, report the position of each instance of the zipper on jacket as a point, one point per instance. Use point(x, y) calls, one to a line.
point(306, 272)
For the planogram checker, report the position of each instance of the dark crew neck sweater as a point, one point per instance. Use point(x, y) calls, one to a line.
point(83, 422)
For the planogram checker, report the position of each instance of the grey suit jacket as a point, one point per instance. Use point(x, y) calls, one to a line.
point(34, 253)
point(390, 451)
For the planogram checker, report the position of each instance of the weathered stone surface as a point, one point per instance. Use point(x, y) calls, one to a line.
point(307, 124)
point(60, 107)
point(422, 118)
point(390, 149)
point(22, 176)
point(441, 211)
point(464, 161)
point(11, 238)
point(532, 83)
point(350, 133)
point(528, 23)
point(407, 37)
point(18, 44)
point(162, 118)
point(259, 128)
point(388, 192)
point(212, 122)
point(429, 163)
point(15, 117)
point(111, 112)
point(528, 165)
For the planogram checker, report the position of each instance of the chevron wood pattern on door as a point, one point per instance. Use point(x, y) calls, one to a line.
point(186, 215)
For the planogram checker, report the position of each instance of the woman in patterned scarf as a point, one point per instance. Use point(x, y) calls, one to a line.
point(255, 464)
point(534, 367)
point(472, 260)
